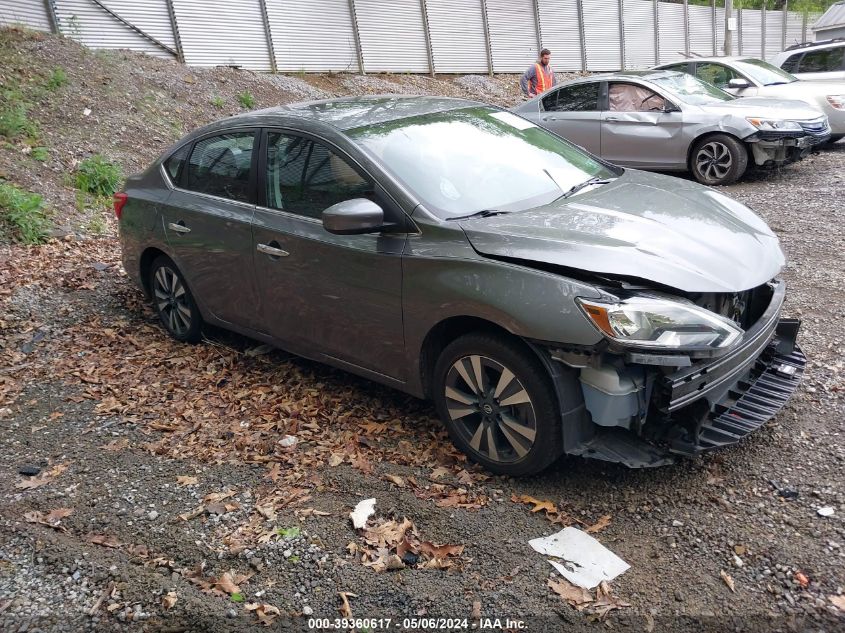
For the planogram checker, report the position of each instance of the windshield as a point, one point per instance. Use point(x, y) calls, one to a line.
point(763, 72)
point(691, 90)
point(480, 158)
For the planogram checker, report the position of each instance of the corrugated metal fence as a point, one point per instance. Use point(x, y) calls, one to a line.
point(428, 36)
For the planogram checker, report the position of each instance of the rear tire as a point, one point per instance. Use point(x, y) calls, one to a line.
point(719, 159)
point(173, 301)
point(511, 423)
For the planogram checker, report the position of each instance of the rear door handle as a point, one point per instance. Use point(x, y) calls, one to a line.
point(272, 249)
point(179, 227)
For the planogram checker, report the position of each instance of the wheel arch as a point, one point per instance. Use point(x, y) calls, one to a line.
point(145, 264)
point(448, 330)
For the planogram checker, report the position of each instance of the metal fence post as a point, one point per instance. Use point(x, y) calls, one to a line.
point(763, 33)
point(51, 16)
point(174, 26)
point(427, 33)
point(537, 26)
point(656, 31)
point(784, 23)
point(713, 18)
point(268, 35)
point(622, 34)
point(485, 22)
point(580, 5)
point(804, 27)
point(686, 28)
point(739, 30)
point(358, 50)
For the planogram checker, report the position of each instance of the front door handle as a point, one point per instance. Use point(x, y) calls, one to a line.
point(179, 227)
point(613, 119)
point(272, 249)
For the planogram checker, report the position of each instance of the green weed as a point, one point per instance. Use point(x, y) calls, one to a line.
point(246, 100)
point(217, 102)
point(98, 176)
point(23, 214)
point(14, 119)
point(40, 154)
point(58, 78)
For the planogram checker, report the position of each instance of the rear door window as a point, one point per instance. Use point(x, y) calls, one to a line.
point(823, 61)
point(220, 166)
point(791, 63)
point(578, 98)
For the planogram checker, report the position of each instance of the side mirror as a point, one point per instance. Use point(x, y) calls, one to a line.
point(353, 217)
point(738, 83)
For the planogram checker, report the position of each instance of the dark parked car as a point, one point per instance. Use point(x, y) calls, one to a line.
point(547, 301)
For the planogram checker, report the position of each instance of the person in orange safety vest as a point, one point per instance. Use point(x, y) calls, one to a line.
point(539, 77)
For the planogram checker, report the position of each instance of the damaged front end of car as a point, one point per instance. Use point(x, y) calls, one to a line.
point(784, 142)
point(679, 375)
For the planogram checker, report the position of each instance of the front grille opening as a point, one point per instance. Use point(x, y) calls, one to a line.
point(743, 308)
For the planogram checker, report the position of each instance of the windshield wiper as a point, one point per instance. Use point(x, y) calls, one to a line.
point(586, 183)
point(485, 213)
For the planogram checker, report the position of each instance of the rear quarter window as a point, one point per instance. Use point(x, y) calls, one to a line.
point(174, 164)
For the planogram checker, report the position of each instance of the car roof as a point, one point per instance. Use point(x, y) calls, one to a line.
point(814, 46)
point(645, 75)
point(727, 60)
point(345, 113)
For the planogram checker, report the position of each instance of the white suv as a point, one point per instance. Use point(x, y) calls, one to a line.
point(814, 60)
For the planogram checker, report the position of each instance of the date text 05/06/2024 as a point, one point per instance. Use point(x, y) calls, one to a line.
point(414, 624)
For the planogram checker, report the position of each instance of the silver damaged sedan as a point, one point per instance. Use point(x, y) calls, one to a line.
point(670, 121)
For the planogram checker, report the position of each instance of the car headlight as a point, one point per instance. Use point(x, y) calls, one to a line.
point(657, 323)
point(837, 101)
point(774, 125)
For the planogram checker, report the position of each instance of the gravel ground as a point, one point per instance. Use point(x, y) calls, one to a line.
point(129, 431)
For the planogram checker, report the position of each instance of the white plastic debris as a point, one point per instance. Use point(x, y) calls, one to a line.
point(86, 112)
point(363, 511)
point(287, 441)
point(586, 562)
point(826, 511)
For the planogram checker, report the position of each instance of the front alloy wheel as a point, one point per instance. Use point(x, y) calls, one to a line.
point(718, 160)
point(174, 303)
point(491, 408)
point(498, 404)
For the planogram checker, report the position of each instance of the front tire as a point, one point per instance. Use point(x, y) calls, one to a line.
point(173, 301)
point(498, 404)
point(719, 159)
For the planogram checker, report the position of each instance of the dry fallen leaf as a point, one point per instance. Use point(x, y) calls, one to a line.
point(441, 551)
point(106, 540)
point(116, 445)
point(396, 479)
point(476, 610)
point(599, 525)
point(439, 472)
point(336, 459)
point(187, 480)
point(167, 601)
point(52, 519)
point(838, 602)
point(728, 580)
point(226, 584)
point(802, 579)
point(539, 505)
point(573, 594)
point(266, 613)
point(345, 608)
point(30, 483)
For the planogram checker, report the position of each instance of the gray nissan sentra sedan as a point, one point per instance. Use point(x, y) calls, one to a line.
point(548, 302)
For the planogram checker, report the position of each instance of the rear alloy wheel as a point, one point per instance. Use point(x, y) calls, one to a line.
point(498, 404)
point(718, 160)
point(174, 302)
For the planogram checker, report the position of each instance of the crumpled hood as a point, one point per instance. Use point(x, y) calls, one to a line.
point(766, 108)
point(662, 229)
